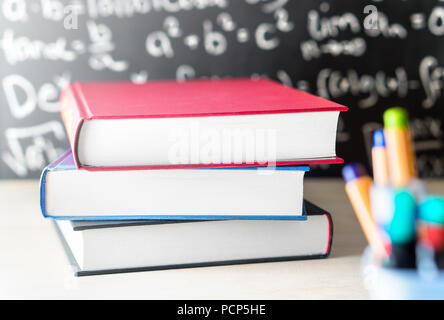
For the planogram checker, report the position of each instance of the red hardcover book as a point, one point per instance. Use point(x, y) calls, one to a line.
point(201, 123)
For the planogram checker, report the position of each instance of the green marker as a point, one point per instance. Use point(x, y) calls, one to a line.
point(399, 146)
point(396, 118)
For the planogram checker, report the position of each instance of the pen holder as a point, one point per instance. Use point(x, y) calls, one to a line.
point(391, 284)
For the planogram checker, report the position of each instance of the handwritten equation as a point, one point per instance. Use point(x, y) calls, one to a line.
point(368, 58)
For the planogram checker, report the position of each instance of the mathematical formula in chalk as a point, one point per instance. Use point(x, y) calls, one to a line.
point(368, 58)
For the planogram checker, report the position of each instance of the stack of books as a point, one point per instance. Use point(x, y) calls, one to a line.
point(183, 174)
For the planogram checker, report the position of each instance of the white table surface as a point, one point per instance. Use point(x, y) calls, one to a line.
point(34, 266)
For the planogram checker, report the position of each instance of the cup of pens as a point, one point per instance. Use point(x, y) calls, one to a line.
point(404, 225)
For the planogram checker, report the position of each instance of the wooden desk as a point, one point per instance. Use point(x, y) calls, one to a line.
point(33, 263)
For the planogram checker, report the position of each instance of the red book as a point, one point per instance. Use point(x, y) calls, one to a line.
point(193, 124)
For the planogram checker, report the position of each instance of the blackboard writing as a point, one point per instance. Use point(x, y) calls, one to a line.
point(368, 55)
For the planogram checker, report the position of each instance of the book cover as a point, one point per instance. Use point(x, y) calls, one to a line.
point(318, 228)
point(83, 102)
point(129, 195)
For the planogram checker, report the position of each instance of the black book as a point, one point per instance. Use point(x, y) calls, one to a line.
point(104, 247)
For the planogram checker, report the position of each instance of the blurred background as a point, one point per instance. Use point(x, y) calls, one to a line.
point(367, 55)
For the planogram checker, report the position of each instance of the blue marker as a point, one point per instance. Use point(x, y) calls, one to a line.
point(379, 159)
point(381, 193)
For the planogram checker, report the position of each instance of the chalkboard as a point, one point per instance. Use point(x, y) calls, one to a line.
point(368, 55)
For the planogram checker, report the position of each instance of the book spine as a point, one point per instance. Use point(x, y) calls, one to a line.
point(73, 114)
point(42, 191)
point(330, 234)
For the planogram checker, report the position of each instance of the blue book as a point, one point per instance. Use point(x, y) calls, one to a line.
point(270, 193)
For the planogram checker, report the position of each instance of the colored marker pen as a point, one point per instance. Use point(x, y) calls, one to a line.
point(357, 186)
point(381, 193)
point(402, 230)
point(400, 154)
point(379, 159)
point(431, 235)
